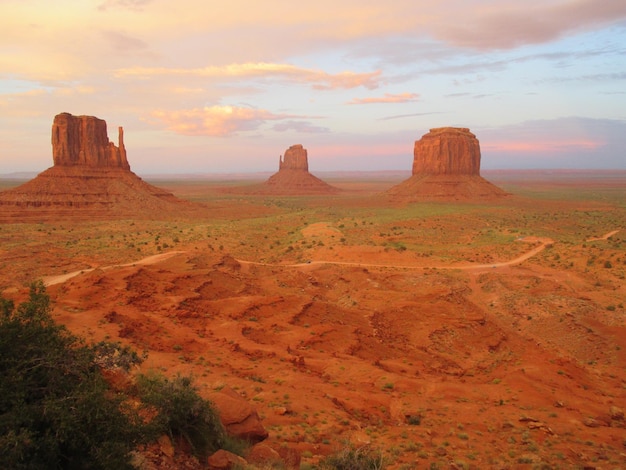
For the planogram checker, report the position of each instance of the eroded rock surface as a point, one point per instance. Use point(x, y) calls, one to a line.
point(83, 140)
point(447, 151)
point(91, 178)
point(446, 166)
point(295, 158)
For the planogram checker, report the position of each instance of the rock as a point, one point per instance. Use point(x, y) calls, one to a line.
point(224, 460)
point(83, 140)
point(263, 454)
point(292, 178)
point(296, 158)
point(291, 457)
point(447, 151)
point(237, 415)
point(446, 166)
point(90, 179)
point(165, 445)
point(616, 413)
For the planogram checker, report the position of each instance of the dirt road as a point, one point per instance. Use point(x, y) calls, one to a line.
point(543, 243)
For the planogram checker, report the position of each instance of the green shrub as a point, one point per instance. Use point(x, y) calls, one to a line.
point(56, 409)
point(181, 413)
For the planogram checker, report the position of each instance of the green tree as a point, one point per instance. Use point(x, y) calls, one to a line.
point(56, 409)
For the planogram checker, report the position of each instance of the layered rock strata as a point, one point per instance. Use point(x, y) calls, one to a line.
point(293, 177)
point(83, 140)
point(91, 178)
point(446, 165)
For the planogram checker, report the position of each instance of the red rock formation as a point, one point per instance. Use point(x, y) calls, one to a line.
point(447, 151)
point(293, 177)
point(296, 158)
point(83, 140)
point(91, 178)
point(446, 166)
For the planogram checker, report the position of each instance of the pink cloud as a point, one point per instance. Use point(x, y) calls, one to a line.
point(542, 147)
point(216, 121)
point(511, 24)
point(318, 79)
point(388, 98)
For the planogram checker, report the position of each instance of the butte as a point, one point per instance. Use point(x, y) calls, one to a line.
point(90, 179)
point(293, 177)
point(446, 166)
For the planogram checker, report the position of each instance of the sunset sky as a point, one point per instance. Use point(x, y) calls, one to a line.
point(202, 86)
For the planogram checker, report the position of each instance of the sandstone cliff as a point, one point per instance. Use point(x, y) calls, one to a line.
point(293, 177)
point(296, 158)
point(446, 166)
point(447, 151)
point(83, 140)
point(91, 178)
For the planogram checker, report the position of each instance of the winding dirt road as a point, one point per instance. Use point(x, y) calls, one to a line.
point(543, 244)
point(61, 278)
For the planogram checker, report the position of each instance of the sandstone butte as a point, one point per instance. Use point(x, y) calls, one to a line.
point(293, 177)
point(446, 166)
point(91, 178)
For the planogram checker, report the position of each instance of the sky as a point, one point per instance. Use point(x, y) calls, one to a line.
point(202, 86)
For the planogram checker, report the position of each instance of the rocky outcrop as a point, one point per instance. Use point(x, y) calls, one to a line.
point(446, 166)
point(293, 177)
point(83, 140)
point(239, 418)
point(447, 151)
point(296, 158)
point(90, 179)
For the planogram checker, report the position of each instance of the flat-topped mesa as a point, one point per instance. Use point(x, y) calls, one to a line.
point(447, 151)
point(83, 141)
point(295, 159)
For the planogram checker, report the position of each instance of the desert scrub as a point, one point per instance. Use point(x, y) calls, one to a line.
point(351, 458)
point(178, 411)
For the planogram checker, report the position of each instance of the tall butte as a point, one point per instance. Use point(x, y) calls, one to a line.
point(91, 178)
point(446, 166)
point(293, 177)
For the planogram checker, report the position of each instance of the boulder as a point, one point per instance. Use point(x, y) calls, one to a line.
point(237, 415)
point(224, 460)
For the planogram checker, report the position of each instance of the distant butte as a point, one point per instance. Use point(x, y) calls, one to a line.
point(446, 166)
point(91, 178)
point(293, 177)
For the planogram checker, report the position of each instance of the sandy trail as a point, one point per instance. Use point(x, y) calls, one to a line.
point(606, 236)
point(543, 243)
point(61, 278)
point(519, 259)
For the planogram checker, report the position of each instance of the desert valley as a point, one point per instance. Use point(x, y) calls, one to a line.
point(442, 318)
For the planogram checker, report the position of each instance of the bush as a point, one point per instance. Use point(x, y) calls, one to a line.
point(56, 409)
point(350, 458)
point(181, 413)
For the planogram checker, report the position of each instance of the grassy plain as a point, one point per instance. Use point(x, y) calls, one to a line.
point(347, 317)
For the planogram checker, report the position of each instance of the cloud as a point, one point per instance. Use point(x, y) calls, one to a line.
point(299, 126)
point(262, 70)
point(387, 98)
point(123, 43)
point(572, 142)
point(133, 5)
point(513, 24)
point(215, 121)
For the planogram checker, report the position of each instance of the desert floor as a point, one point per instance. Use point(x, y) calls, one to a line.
point(484, 335)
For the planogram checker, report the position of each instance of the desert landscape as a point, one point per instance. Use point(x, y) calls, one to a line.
point(483, 327)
